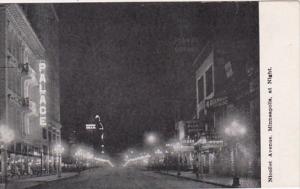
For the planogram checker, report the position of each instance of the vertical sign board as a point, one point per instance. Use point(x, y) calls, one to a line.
point(42, 90)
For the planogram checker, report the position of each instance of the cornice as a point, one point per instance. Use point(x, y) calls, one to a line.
point(20, 22)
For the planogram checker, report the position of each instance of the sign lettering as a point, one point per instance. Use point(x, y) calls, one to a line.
point(42, 89)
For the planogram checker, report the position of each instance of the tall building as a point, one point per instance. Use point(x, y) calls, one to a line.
point(44, 20)
point(29, 84)
point(227, 85)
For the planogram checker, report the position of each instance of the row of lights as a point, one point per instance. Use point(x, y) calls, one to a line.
point(144, 157)
point(90, 156)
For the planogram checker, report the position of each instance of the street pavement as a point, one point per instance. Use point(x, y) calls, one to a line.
point(245, 182)
point(36, 181)
point(123, 178)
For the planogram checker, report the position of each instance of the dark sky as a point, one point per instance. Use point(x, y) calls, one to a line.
point(125, 62)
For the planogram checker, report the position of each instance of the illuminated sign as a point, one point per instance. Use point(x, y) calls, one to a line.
point(216, 102)
point(90, 126)
point(42, 87)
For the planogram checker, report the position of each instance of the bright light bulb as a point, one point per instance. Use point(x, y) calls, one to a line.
point(151, 139)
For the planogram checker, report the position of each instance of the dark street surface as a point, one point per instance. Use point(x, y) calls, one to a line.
point(123, 178)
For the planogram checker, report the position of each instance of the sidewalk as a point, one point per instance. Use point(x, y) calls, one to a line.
point(35, 181)
point(220, 181)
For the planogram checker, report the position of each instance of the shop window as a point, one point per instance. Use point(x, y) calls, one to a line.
point(30, 150)
point(209, 81)
point(12, 148)
point(24, 150)
point(200, 85)
point(18, 148)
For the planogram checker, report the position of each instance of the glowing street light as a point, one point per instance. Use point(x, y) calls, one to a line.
point(151, 139)
point(89, 155)
point(6, 136)
point(235, 130)
point(58, 149)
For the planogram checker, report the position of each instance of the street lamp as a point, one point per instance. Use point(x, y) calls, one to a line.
point(6, 136)
point(151, 139)
point(89, 157)
point(235, 130)
point(58, 149)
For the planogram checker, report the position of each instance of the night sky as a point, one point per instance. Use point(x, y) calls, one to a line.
point(126, 62)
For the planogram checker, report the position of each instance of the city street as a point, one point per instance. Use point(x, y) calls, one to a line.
point(119, 91)
point(125, 178)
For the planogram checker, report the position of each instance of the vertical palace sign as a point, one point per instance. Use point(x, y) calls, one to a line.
point(42, 87)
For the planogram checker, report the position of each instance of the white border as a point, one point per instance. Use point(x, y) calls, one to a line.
point(279, 49)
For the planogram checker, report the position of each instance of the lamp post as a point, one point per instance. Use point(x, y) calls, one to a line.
point(6, 137)
point(150, 139)
point(235, 130)
point(58, 150)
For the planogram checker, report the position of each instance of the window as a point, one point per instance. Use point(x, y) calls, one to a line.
point(44, 133)
point(12, 148)
point(45, 150)
point(200, 90)
point(18, 148)
point(49, 136)
point(209, 81)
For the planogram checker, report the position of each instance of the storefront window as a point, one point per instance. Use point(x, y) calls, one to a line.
point(18, 148)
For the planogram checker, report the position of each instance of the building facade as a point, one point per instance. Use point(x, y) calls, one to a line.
point(29, 85)
point(227, 84)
